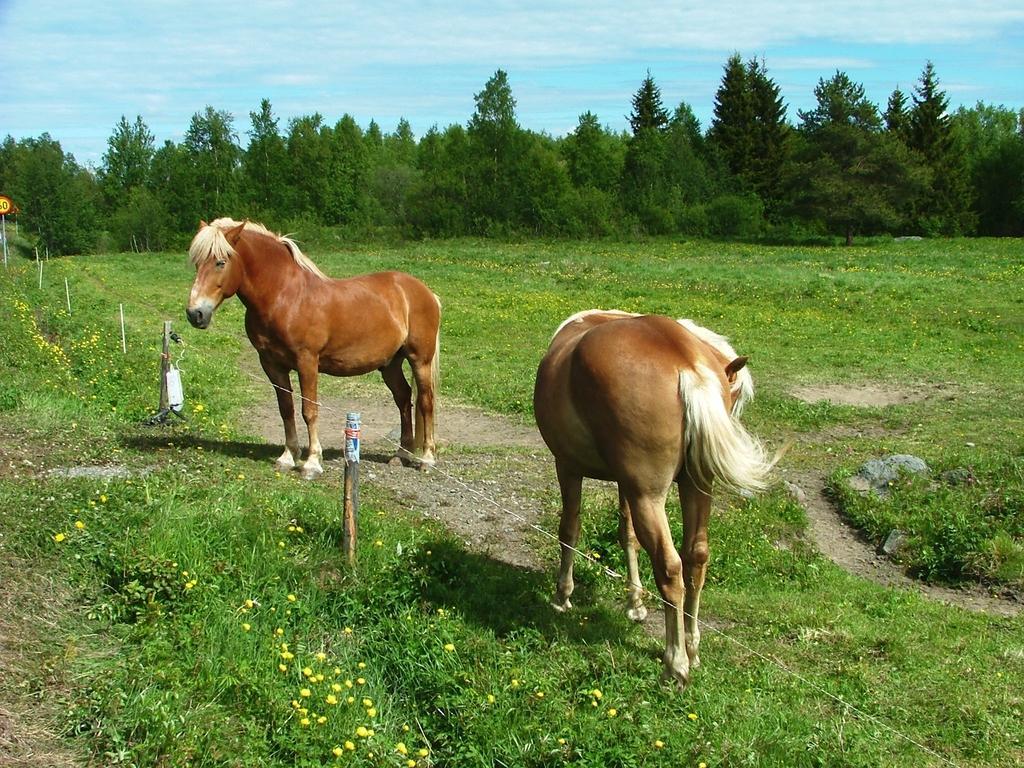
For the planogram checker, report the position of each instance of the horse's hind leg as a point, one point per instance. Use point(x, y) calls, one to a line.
point(281, 380)
point(571, 486)
point(652, 531)
point(627, 539)
point(696, 507)
point(394, 377)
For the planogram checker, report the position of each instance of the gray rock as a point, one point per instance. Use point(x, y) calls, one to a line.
point(796, 493)
point(893, 542)
point(958, 476)
point(879, 473)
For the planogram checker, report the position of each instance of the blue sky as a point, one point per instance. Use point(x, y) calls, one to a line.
point(72, 68)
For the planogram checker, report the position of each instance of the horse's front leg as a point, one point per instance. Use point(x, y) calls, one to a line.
point(281, 379)
point(571, 487)
point(635, 609)
point(308, 373)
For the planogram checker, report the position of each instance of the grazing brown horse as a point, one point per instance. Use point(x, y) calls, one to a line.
point(647, 401)
point(298, 319)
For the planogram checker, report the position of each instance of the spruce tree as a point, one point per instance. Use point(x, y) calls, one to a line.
point(947, 208)
point(749, 130)
point(648, 112)
point(897, 118)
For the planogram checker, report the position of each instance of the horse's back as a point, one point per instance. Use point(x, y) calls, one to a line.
point(607, 397)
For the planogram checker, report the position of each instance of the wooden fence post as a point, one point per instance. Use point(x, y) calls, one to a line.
point(165, 362)
point(351, 486)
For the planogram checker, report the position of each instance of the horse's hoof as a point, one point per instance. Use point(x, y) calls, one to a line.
point(284, 466)
point(561, 607)
point(311, 473)
point(637, 614)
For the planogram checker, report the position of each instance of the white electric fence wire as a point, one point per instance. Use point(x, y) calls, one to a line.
point(615, 574)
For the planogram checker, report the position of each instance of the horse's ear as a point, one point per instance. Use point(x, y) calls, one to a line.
point(235, 233)
point(735, 367)
point(202, 224)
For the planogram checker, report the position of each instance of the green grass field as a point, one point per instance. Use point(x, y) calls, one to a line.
point(196, 612)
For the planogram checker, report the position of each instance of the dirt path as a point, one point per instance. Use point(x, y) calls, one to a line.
point(494, 473)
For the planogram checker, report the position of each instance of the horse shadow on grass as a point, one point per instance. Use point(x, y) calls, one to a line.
point(238, 449)
point(510, 600)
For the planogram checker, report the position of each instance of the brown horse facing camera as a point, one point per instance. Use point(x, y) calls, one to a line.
point(298, 319)
point(647, 401)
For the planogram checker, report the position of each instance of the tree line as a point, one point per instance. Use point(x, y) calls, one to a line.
point(844, 168)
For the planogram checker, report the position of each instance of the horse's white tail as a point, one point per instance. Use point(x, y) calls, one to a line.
point(717, 445)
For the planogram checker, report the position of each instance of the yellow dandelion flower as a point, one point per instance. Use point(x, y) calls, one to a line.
point(361, 681)
point(304, 722)
point(371, 712)
point(322, 719)
point(378, 543)
point(336, 687)
point(249, 602)
point(361, 665)
point(449, 647)
point(596, 693)
point(321, 656)
point(283, 667)
point(401, 749)
point(612, 712)
point(367, 702)
point(348, 683)
point(292, 598)
point(405, 728)
point(410, 763)
point(347, 630)
point(349, 746)
point(423, 752)
point(246, 626)
point(103, 498)
point(79, 525)
point(307, 671)
point(350, 700)
point(515, 683)
point(658, 743)
point(241, 476)
point(361, 732)
point(279, 631)
point(305, 693)
point(539, 694)
point(490, 698)
point(332, 699)
point(337, 751)
point(319, 677)
point(59, 537)
point(692, 715)
point(199, 408)
point(295, 704)
point(280, 544)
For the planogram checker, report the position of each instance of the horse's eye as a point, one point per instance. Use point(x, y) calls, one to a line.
point(220, 264)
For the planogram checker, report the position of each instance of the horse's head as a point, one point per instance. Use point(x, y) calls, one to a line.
point(217, 274)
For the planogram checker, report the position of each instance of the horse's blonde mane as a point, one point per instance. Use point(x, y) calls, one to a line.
point(743, 387)
point(579, 316)
point(210, 243)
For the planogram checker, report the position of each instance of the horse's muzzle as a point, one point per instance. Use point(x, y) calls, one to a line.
point(199, 317)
